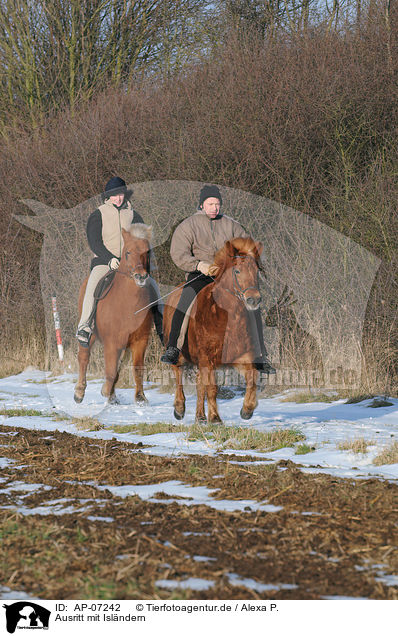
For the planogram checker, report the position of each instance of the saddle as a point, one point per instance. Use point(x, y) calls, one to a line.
point(102, 289)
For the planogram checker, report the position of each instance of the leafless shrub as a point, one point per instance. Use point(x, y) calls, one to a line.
point(297, 348)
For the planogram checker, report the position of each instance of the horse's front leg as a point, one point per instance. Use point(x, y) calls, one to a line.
point(111, 356)
point(250, 400)
point(200, 416)
point(209, 378)
point(83, 358)
point(138, 355)
point(179, 399)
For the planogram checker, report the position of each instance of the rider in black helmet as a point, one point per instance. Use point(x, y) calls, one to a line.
point(104, 234)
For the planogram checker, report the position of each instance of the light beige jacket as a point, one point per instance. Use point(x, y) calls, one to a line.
point(198, 238)
point(113, 220)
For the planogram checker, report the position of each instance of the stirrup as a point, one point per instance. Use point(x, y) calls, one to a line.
point(171, 356)
point(83, 336)
point(264, 365)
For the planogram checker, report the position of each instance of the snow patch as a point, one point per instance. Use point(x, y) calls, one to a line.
point(324, 425)
point(191, 496)
point(251, 584)
point(191, 584)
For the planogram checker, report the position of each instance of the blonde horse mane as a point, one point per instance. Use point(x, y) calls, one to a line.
point(141, 231)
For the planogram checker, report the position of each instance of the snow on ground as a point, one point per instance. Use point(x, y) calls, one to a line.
point(187, 495)
point(323, 424)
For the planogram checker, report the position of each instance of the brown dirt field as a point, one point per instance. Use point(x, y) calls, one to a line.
point(334, 551)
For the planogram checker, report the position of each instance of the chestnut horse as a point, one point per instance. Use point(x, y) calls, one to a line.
point(117, 325)
point(218, 331)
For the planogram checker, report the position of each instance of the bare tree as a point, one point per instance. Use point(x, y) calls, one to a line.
point(56, 52)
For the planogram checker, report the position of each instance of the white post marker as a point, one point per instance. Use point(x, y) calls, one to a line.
point(57, 328)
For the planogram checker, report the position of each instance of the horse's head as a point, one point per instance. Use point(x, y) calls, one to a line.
point(237, 266)
point(135, 255)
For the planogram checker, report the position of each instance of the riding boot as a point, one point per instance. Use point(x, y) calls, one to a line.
point(158, 320)
point(261, 362)
point(194, 284)
point(171, 355)
point(83, 336)
point(172, 352)
point(157, 307)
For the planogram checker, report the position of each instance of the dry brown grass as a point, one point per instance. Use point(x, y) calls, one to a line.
point(359, 445)
point(86, 424)
point(389, 455)
point(324, 529)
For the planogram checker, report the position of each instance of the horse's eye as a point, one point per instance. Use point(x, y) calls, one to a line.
point(237, 271)
point(127, 255)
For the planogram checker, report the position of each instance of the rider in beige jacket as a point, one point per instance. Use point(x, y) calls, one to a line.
point(199, 237)
point(104, 235)
point(193, 247)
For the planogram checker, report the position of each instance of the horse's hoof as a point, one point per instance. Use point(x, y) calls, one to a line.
point(113, 399)
point(245, 415)
point(178, 415)
point(78, 398)
point(200, 419)
point(141, 399)
point(215, 420)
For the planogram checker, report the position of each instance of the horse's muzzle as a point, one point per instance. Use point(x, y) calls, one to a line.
point(140, 279)
point(252, 302)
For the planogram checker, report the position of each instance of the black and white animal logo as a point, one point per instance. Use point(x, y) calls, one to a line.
point(26, 615)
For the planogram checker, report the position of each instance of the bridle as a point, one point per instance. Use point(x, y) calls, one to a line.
point(237, 290)
point(130, 270)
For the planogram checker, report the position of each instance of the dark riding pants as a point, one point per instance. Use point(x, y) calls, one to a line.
point(189, 292)
point(157, 307)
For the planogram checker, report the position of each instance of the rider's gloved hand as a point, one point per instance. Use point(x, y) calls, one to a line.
point(203, 267)
point(213, 270)
point(114, 263)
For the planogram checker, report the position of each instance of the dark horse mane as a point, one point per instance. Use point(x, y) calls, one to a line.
point(236, 247)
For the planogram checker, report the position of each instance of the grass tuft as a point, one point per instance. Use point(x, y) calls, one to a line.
point(303, 449)
point(60, 417)
point(355, 399)
point(150, 429)
point(238, 438)
point(22, 413)
point(219, 435)
point(389, 455)
point(379, 402)
point(305, 397)
point(359, 445)
point(87, 424)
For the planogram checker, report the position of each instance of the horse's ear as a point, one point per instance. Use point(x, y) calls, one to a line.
point(125, 234)
point(259, 247)
point(230, 249)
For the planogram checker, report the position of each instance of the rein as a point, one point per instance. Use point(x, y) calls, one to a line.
point(155, 302)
